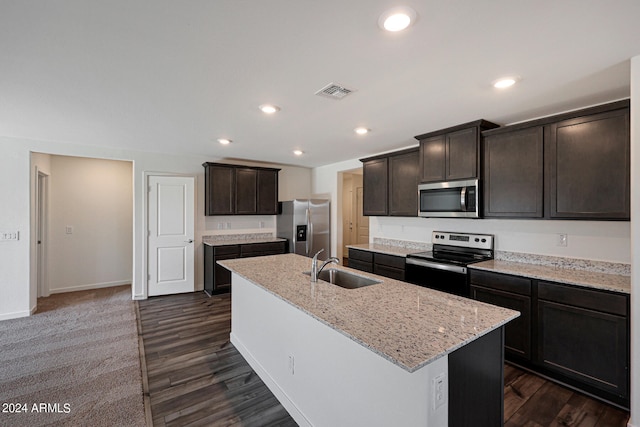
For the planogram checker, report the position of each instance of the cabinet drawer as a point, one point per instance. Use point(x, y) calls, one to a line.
point(227, 250)
point(359, 255)
point(389, 260)
point(361, 265)
point(504, 282)
point(390, 272)
point(256, 249)
point(585, 298)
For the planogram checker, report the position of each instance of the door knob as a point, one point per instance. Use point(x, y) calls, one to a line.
point(189, 241)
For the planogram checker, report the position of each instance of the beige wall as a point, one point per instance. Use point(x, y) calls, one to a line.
point(95, 198)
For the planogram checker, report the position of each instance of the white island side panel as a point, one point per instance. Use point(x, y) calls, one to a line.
point(322, 377)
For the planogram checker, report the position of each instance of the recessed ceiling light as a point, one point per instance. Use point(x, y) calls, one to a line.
point(224, 141)
point(298, 152)
point(269, 108)
point(397, 19)
point(505, 82)
point(362, 130)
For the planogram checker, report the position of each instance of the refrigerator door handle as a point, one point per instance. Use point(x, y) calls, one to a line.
point(307, 215)
point(310, 227)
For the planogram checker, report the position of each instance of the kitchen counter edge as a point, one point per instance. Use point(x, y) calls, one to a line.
point(583, 278)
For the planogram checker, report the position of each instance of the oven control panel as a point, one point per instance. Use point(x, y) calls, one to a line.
point(463, 240)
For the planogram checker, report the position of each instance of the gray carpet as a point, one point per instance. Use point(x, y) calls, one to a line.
point(78, 355)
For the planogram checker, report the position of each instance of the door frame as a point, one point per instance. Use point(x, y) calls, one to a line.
point(42, 229)
point(145, 225)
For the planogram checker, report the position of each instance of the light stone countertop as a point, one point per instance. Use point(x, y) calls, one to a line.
point(214, 241)
point(386, 249)
point(408, 325)
point(584, 278)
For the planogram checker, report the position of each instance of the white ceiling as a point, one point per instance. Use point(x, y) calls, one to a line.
point(172, 76)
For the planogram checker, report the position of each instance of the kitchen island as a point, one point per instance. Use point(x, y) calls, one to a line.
point(386, 354)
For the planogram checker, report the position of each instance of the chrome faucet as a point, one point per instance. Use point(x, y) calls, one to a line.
point(315, 271)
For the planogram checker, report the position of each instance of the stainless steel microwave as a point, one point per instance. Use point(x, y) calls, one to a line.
point(451, 199)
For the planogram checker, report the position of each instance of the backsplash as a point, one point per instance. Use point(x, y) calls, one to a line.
point(569, 263)
point(406, 244)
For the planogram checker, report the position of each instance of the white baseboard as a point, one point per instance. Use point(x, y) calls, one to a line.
point(89, 286)
point(14, 315)
point(270, 383)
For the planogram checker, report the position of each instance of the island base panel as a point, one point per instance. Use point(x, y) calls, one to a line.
point(323, 377)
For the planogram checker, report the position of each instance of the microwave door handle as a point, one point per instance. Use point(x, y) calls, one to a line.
point(463, 199)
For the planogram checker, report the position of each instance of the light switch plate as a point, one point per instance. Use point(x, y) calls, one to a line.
point(10, 235)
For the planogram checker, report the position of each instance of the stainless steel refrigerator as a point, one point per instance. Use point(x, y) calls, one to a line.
point(306, 225)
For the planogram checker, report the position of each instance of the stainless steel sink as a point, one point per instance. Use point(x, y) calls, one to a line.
point(344, 279)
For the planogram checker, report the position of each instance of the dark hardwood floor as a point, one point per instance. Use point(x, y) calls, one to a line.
point(197, 378)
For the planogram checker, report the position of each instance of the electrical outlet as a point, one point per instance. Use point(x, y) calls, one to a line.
point(439, 390)
point(563, 239)
point(228, 225)
point(68, 229)
point(220, 226)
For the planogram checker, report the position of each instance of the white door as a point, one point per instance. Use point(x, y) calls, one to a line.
point(362, 225)
point(171, 232)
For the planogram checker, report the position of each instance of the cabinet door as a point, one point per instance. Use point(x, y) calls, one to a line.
point(267, 192)
point(513, 174)
point(375, 186)
point(222, 276)
point(462, 154)
point(589, 166)
point(219, 190)
point(518, 331)
point(432, 159)
point(585, 345)
point(403, 184)
point(246, 191)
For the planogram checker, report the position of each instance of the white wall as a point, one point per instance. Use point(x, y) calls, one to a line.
point(635, 242)
point(95, 197)
point(595, 240)
point(17, 281)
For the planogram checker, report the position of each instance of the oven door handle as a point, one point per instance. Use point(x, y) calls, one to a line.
point(437, 265)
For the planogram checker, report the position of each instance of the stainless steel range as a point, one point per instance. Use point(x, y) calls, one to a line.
point(445, 267)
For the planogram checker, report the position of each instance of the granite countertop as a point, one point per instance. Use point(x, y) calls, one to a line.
point(408, 325)
point(585, 278)
point(387, 249)
point(225, 240)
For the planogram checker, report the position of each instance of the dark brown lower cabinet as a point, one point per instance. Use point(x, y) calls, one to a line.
point(391, 266)
point(572, 334)
point(583, 335)
point(217, 279)
point(361, 260)
point(509, 292)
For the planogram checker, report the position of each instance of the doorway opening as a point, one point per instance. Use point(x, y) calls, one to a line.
point(81, 224)
point(355, 226)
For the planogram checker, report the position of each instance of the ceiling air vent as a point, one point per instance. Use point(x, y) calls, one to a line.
point(334, 91)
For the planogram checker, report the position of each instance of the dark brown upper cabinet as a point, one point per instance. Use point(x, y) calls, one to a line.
point(573, 165)
point(513, 173)
point(240, 190)
point(589, 166)
point(390, 184)
point(453, 153)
